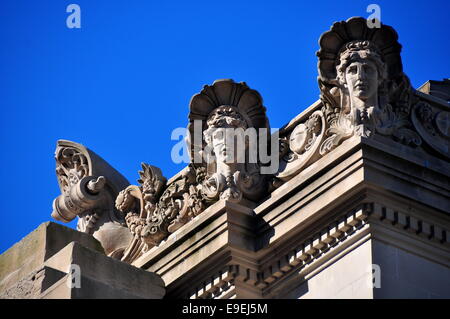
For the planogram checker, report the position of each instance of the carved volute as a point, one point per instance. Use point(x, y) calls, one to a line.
point(89, 186)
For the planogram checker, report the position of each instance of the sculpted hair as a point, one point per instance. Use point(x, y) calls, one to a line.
point(223, 117)
point(359, 51)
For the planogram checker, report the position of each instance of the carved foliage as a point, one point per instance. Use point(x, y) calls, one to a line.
point(88, 187)
point(154, 210)
point(71, 167)
point(74, 178)
point(388, 112)
point(363, 91)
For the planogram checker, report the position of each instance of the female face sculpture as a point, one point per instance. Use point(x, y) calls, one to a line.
point(221, 133)
point(361, 70)
point(221, 137)
point(361, 78)
point(219, 144)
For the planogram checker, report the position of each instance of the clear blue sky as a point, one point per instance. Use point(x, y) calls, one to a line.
point(122, 82)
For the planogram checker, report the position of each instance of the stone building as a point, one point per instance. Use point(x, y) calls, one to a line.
point(350, 199)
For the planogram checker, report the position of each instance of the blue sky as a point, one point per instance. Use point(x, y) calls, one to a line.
point(122, 83)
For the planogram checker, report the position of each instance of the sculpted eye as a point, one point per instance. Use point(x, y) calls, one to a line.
point(351, 69)
point(218, 135)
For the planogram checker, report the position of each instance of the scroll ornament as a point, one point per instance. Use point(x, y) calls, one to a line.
point(88, 188)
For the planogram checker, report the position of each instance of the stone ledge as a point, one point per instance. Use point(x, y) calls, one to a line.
point(102, 276)
point(31, 252)
point(39, 266)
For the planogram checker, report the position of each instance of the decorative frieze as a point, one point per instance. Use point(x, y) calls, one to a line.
point(218, 286)
point(363, 93)
point(319, 247)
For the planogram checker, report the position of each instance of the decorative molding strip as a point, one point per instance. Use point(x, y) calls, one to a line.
point(316, 246)
point(302, 255)
point(364, 96)
point(420, 227)
point(219, 286)
point(340, 230)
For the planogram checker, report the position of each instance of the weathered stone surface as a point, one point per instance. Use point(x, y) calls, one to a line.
point(363, 180)
point(102, 276)
point(33, 285)
point(39, 266)
point(31, 252)
point(156, 209)
point(363, 191)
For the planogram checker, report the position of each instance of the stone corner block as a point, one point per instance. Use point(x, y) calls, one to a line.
point(29, 254)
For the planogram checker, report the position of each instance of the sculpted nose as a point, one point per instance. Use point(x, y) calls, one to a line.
point(362, 74)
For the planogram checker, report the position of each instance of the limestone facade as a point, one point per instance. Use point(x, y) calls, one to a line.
point(357, 206)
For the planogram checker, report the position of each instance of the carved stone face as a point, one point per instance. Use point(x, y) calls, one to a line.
point(219, 144)
point(298, 138)
point(225, 124)
point(361, 78)
point(226, 144)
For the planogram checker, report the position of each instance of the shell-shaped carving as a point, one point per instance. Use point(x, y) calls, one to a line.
point(226, 92)
point(384, 38)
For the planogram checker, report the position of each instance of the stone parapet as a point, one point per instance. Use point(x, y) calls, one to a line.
point(58, 262)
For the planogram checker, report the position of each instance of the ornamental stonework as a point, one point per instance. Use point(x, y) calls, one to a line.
point(364, 92)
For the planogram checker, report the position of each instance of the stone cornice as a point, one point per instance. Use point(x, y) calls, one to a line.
point(366, 163)
point(334, 240)
point(319, 210)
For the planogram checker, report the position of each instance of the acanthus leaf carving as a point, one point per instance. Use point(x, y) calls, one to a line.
point(154, 209)
point(363, 92)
